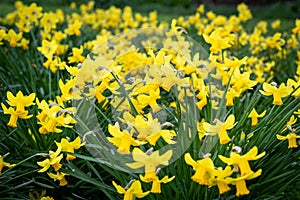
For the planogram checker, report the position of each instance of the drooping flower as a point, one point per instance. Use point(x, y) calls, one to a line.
point(278, 93)
point(254, 116)
point(291, 137)
point(156, 184)
point(220, 128)
point(123, 140)
point(203, 169)
point(53, 160)
point(242, 161)
point(70, 146)
point(53, 116)
point(217, 42)
point(240, 182)
point(220, 179)
point(149, 162)
point(76, 55)
point(59, 176)
point(20, 101)
point(4, 164)
point(135, 190)
point(17, 109)
point(13, 38)
point(14, 115)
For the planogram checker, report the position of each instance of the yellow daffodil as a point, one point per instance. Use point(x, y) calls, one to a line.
point(14, 115)
point(220, 128)
point(76, 55)
point(291, 137)
point(242, 82)
point(13, 38)
point(4, 164)
point(20, 101)
point(296, 29)
point(47, 198)
point(52, 116)
point(276, 24)
point(254, 116)
point(220, 179)
point(59, 176)
point(230, 95)
point(242, 160)
point(240, 182)
point(244, 12)
point(156, 184)
point(149, 162)
point(204, 169)
point(49, 21)
point(278, 93)
point(166, 135)
point(74, 28)
point(48, 48)
point(53, 160)
point(67, 146)
point(200, 129)
point(150, 99)
point(216, 41)
point(66, 89)
point(145, 126)
point(122, 139)
point(135, 190)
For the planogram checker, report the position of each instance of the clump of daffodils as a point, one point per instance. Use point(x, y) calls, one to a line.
point(153, 97)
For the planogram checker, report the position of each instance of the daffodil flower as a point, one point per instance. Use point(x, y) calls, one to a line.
point(156, 183)
point(240, 182)
point(220, 128)
point(52, 116)
point(217, 42)
point(48, 48)
point(278, 93)
point(135, 190)
point(59, 176)
point(54, 160)
point(242, 161)
point(150, 99)
point(17, 109)
point(14, 115)
point(149, 162)
point(66, 89)
point(76, 55)
point(167, 136)
point(4, 164)
point(12, 37)
point(254, 116)
point(70, 146)
point(122, 139)
point(220, 179)
point(20, 101)
point(204, 169)
point(291, 137)
point(74, 28)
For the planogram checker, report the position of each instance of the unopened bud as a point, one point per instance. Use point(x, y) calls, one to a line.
point(273, 83)
point(237, 149)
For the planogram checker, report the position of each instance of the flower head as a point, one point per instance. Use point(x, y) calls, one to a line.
point(4, 164)
point(70, 146)
point(242, 160)
point(135, 190)
point(291, 137)
point(204, 169)
point(278, 93)
point(149, 162)
point(220, 128)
